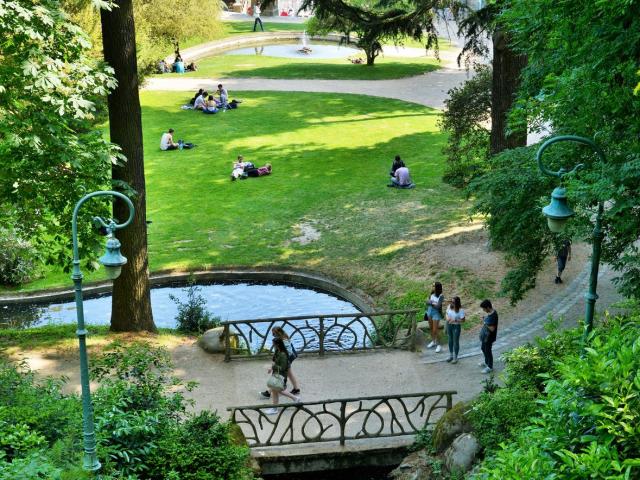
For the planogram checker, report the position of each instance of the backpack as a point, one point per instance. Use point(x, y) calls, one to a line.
point(291, 353)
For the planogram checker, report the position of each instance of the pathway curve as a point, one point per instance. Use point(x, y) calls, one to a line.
point(429, 89)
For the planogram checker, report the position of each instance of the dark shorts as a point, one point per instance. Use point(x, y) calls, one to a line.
point(562, 262)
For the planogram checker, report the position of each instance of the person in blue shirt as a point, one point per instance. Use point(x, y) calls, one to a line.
point(488, 335)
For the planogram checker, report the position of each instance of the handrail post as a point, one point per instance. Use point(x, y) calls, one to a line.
point(449, 401)
point(343, 421)
point(227, 344)
point(321, 335)
point(414, 331)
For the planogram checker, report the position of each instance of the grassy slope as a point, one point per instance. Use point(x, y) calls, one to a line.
point(330, 155)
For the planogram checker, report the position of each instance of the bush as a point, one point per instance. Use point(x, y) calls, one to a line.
point(497, 417)
point(588, 425)
point(200, 449)
point(136, 402)
point(17, 258)
point(193, 316)
point(530, 366)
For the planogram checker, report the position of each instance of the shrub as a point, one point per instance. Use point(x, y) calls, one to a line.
point(135, 403)
point(200, 449)
point(193, 316)
point(497, 417)
point(531, 365)
point(17, 258)
point(588, 425)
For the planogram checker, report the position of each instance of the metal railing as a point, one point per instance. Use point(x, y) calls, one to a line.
point(319, 334)
point(340, 420)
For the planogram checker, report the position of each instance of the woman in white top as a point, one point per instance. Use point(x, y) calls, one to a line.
point(433, 314)
point(455, 317)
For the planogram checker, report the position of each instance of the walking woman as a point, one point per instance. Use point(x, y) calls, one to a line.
point(434, 315)
point(278, 332)
point(455, 317)
point(278, 371)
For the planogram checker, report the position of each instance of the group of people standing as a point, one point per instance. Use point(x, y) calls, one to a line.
point(455, 317)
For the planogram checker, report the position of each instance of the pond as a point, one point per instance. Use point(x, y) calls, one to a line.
point(291, 50)
point(229, 301)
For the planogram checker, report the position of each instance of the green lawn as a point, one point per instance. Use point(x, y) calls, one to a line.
point(330, 155)
point(234, 66)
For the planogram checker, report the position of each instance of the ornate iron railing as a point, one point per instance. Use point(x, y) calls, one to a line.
point(341, 332)
point(341, 419)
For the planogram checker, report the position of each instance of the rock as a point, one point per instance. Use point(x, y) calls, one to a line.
point(424, 326)
point(212, 341)
point(460, 456)
point(450, 425)
point(403, 339)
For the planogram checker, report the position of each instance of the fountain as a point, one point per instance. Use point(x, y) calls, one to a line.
point(305, 49)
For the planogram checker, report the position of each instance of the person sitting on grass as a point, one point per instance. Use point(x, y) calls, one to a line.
point(224, 99)
point(166, 142)
point(200, 103)
point(238, 168)
point(397, 163)
point(211, 106)
point(198, 93)
point(401, 179)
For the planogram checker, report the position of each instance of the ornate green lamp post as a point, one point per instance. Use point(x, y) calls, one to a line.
point(113, 262)
point(558, 212)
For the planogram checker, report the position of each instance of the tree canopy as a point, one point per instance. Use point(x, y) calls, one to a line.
point(50, 151)
point(379, 22)
point(580, 79)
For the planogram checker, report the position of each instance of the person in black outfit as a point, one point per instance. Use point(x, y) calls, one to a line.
point(562, 257)
point(488, 335)
point(397, 163)
point(193, 100)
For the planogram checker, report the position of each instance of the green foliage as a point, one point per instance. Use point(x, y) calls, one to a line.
point(498, 416)
point(530, 366)
point(17, 258)
point(193, 316)
point(510, 195)
point(50, 154)
point(466, 116)
point(424, 440)
point(159, 25)
point(580, 78)
point(200, 449)
point(137, 400)
point(588, 425)
point(378, 22)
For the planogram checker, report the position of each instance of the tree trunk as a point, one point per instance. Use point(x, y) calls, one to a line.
point(507, 66)
point(131, 304)
point(371, 56)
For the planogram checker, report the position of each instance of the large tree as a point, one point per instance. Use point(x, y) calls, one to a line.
point(507, 65)
point(131, 304)
point(51, 152)
point(580, 78)
point(379, 22)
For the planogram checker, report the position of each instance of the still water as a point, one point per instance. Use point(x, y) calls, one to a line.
point(237, 301)
point(292, 50)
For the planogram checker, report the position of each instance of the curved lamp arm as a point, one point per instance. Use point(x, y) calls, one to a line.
point(111, 226)
point(562, 138)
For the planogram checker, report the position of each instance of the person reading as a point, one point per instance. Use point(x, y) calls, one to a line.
point(166, 142)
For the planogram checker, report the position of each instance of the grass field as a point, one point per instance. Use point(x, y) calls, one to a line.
point(234, 66)
point(330, 155)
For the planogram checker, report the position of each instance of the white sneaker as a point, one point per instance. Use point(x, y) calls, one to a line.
point(487, 370)
point(271, 411)
point(432, 344)
point(297, 400)
point(438, 349)
point(455, 360)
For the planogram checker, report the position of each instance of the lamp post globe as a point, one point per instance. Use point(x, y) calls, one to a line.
point(112, 259)
point(558, 210)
